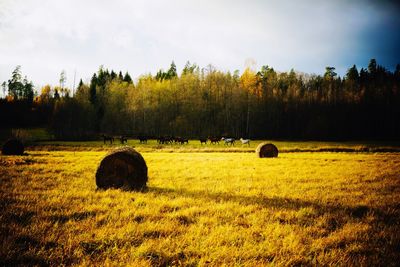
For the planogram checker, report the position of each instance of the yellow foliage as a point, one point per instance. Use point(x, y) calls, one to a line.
point(249, 82)
point(45, 91)
point(9, 98)
point(45, 94)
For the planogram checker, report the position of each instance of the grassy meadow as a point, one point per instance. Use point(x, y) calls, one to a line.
point(195, 146)
point(204, 207)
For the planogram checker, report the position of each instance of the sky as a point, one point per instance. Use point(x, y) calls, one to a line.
point(46, 37)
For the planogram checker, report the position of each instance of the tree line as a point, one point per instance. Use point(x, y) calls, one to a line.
point(201, 102)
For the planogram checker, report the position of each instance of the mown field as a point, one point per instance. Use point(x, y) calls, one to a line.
point(204, 207)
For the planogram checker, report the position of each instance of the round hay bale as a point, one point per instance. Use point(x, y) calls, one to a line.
point(122, 168)
point(13, 147)
point(267, 150)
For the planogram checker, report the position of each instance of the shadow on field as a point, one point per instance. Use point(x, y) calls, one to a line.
point(339, 214)
point(329, 218)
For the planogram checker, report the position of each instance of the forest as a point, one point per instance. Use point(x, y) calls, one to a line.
point(202, 102)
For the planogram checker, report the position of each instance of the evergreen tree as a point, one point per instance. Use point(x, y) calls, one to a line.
point(160, 76)
point(28, 90)
point(372, 66)
point(397, 70)
point(172, 71)
point(127, 78)
point(15, 86)
point(330, 73)
point(102, 78)
point(18, 88)
point(352, 74)
point(363, 75)
point(56, 94)
point(113, 75)
point(92, 90)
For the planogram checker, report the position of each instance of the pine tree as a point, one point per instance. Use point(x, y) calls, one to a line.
point(113, 75)
point(15, 86)
point(330, 73)
point(56, 94)
point(92, 90)
point(127, 78)
point(372, 66)
point(27, 90)
point(352, 73)
point(172, 71)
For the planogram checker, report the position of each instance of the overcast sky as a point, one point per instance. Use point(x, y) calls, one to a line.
point(48, 36)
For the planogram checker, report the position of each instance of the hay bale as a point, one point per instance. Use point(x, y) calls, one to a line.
point(267, 150)
point(13, 147)
point(122, 168)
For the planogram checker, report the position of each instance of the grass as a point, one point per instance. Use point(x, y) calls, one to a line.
point(195, 146)
point(201, 209)
point(27, 134)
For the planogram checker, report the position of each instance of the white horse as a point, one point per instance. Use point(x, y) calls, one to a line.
point(228, 141)
point(245, 141)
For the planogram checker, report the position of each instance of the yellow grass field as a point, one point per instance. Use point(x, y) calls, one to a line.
point(203, 209)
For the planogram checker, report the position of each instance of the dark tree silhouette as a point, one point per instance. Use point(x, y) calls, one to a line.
point(363, 104)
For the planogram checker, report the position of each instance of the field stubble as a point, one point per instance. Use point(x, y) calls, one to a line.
point(203, 209)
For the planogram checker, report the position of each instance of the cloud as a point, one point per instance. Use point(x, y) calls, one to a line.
point(47, 36)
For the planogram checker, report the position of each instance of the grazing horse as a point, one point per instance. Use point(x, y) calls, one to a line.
point(203, 141)
point(108, 138)
point(228, 141)
point(165, 140)
point(143, 139)
point(181, 140)
point(245, 141)
point(123, 139)
point(161, 140)
point(213, 140)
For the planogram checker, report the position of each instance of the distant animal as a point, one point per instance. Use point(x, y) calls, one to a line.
point(214, 140)
point(160, 140)
point(108, 138)
point(143, 139)
point(228, 141)
point(180, 140)
point(203, 141)
point(245, 141)
point(165, 140)
point(123, 139)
